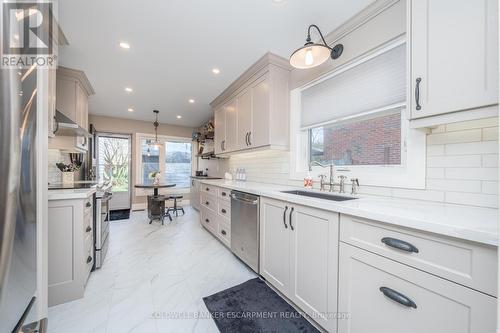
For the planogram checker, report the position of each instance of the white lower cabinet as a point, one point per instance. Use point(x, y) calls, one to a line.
point(275, 244)
point(381, 295)
point(195, 194)
point(70, 248)
point(215, 212)
point(299, 256)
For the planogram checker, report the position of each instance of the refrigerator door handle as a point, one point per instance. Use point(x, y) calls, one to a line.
point(9, 165)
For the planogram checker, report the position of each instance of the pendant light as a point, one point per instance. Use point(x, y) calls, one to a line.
point(312, 54)
point(156, 143)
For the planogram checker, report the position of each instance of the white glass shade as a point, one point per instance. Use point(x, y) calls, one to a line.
point(310, 55)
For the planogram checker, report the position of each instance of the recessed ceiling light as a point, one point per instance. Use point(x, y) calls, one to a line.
point(279, 1)
point(191, 101)
point(130, 110)
point(127, 89)
point(179, 117)
point(215, 70)
point(124, 45)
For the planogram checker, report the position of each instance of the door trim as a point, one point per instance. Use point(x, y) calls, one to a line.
point(118, 136)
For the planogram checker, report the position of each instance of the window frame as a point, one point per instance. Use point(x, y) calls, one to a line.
point(409, 174)
point(138, 162)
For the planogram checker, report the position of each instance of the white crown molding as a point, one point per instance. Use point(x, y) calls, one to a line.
point(77, 75)
point(359, 19)
point(266, 60)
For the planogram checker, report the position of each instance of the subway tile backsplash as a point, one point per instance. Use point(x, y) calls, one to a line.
point(55, 156)
point(462, 166)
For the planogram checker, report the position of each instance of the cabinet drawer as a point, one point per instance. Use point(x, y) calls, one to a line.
point(209, 189)
point(209, 202)
point(224, 194)
point(467, 263)
point(224, 232)
point(426, 303)
point(209, 220)
point(225, 209)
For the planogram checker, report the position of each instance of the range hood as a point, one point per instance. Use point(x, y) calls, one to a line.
point(67, 127)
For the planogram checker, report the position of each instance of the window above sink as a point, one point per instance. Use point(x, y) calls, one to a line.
point(356, 118)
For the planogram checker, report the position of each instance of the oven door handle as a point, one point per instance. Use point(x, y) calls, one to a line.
point(107, 196)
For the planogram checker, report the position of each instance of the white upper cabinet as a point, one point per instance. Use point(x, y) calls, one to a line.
point(261, 106)
point(244, 118)
point(256, 108)
point(51, 102)
point(72, 92)
point(454, 56)
point(220, 133)
point(231, 111)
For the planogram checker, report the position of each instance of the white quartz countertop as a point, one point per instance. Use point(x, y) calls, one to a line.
point(464, 222)
point(69, 194)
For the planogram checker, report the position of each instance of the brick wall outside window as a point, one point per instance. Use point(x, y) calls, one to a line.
point(374, 141)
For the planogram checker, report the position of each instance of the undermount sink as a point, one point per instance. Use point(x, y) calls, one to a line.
point(326, 196)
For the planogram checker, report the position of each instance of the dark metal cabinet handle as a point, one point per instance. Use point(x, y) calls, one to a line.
point(398, 297)
point(417, 93)
point(208, 189)
point(57, 125)
point(207, 220)
point(88, 204)
point(89, 259)
point(89, 229)
point(207, 203)
point(249, 138)
point(284, 217)
point(223, 211)
point(246, 138)
point(224, 194)
point(399, 244)
point(290, 219)
point(223, 232)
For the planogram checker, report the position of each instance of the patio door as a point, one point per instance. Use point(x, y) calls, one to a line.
point(114, 165)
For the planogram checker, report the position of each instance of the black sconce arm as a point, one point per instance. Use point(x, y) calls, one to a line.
point(308, 40)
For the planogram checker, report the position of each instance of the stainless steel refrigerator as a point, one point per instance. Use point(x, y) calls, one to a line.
point(17, 197)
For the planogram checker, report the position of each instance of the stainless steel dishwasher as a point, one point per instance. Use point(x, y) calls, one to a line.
point(245, 228)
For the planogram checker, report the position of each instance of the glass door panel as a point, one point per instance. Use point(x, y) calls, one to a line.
point(113, 163)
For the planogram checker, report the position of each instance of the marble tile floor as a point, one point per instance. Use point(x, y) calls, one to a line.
point(153, 280)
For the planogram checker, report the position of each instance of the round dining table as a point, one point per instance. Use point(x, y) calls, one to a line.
point(155, 187)
point(156, 203)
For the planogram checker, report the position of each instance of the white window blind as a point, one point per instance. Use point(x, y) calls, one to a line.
point(370, 85)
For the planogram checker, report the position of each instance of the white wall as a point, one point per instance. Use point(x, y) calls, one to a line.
point(462, 166)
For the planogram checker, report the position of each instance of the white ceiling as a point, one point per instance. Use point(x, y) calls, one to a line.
point(176, 43)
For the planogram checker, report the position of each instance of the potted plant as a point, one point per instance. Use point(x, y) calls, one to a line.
point(68, 171)
point(156, 177)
